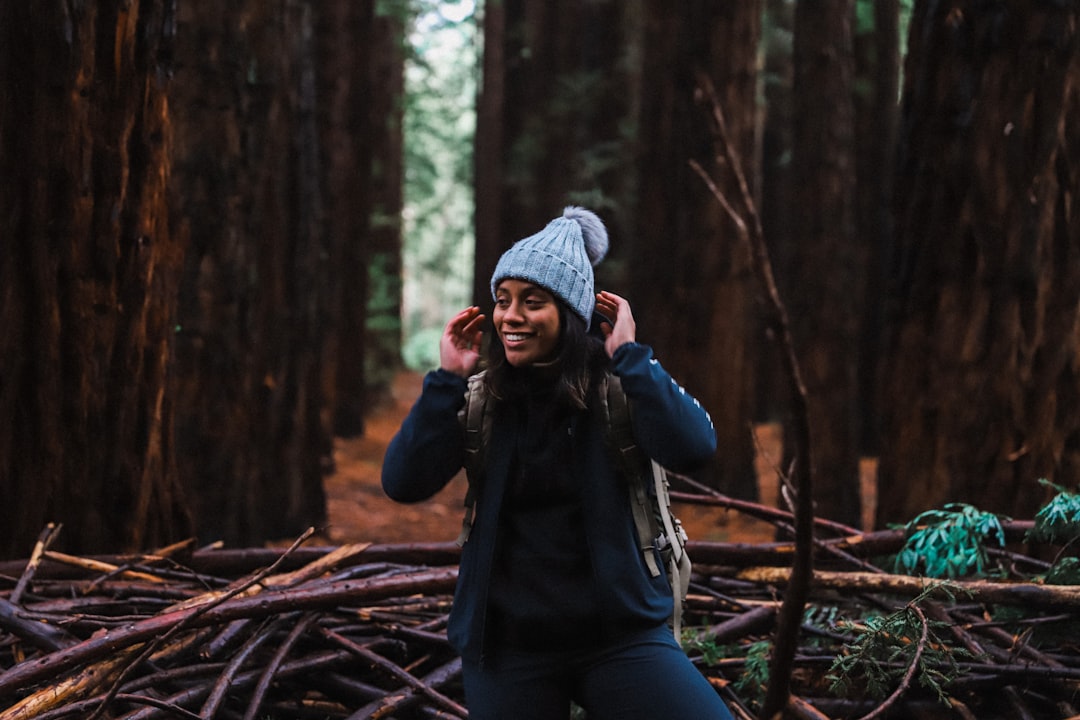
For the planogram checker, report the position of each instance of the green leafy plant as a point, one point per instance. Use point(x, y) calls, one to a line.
point(950, 543)
point(1059, 520)
point(892, 651)
point(755, 678)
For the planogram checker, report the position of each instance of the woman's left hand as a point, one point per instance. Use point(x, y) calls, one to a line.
point(623, 329)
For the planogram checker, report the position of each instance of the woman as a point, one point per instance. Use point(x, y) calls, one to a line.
point(554, 602)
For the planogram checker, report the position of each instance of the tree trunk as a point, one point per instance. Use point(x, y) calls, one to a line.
point(877, 109)
point(344, 30)
point(692, 287)
point(826, 275)
point(88, 270)
point(550, 124)
point(382, 251)
point(981, 382)
point(255, 293)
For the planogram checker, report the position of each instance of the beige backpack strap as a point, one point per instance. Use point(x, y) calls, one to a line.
point(476, 423)
point(620, 431)
point(679, 566)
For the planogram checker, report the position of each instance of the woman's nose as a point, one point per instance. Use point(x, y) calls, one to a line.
point(513, 312)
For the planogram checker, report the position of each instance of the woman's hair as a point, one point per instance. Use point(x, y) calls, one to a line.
point(578, 362)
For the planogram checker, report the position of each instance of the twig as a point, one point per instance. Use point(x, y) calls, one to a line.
point(272, 667)
point(186, 621)
point(400, 700)
point(45, 539)
point(786, 637)
point(396, 671)
point(221, 687)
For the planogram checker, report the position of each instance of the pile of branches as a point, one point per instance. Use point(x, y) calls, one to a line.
point(358, 631)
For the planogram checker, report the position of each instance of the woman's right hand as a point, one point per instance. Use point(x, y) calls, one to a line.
point(459, 347)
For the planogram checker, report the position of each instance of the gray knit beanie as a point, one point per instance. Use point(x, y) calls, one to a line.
point(560, 258)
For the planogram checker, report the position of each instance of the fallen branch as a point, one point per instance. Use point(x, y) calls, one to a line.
point(1029, 595)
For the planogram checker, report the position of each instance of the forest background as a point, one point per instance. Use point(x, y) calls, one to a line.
point(224, 227)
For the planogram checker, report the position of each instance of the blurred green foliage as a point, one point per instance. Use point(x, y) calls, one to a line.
point(440, 119)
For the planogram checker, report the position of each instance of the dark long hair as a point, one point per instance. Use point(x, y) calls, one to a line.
point(578, 362)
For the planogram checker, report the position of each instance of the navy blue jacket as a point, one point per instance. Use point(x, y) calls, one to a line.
point(669, 425)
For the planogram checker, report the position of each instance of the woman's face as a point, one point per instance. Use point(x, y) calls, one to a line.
point(526, 318)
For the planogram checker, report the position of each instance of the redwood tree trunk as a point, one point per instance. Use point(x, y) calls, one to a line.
point(550, 124)
point(825, 276)
point(251, 331)
point(692, 289)
point(981, 385)
point(88, 272)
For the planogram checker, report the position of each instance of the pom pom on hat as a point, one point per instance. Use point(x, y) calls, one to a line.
point(593, 232)
point(560, 258)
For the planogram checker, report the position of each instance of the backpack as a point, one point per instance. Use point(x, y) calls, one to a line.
point(657, 528)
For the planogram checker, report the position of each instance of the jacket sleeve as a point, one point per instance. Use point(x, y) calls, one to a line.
point(670, 425)
point(429, 449)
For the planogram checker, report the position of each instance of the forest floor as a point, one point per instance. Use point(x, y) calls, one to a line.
point(358, 511)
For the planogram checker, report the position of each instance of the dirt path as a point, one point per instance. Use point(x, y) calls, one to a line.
point(359, 512)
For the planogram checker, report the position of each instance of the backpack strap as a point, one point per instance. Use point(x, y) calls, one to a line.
point(476, 423)
point(657, 528)
point(628, 455)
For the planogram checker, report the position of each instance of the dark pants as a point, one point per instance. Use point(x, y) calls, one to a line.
point(643, 676)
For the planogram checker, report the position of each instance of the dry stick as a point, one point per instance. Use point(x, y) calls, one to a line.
point(386, 705)
point(246, 679)
point(61, 691)
point(271, 669)
point(906, 682)
point(74, 709)
point(41, 635)
point(221, 687)
point(99, 566)
point(803, 710)
point(328, 595)
point(1030, 595)
point(155, 643)
point(396, 671)
point(789, 620)
point(45, 539)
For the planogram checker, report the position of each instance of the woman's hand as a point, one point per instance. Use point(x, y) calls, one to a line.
point(459, 347)
point(624, 330)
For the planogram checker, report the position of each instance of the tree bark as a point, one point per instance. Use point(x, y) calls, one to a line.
point(981, 375)
point(252, 324)
point(551, 124)
point(89, 271)
point(825, 278)
point(692, 287)
point(877, 110)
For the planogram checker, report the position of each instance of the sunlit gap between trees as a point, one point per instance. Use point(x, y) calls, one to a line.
point(441, 77)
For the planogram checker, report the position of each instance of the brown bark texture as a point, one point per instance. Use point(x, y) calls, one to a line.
point(691, 284)
point(825, 275)
point(981, 372)
point(252, 322)
point(88, 274)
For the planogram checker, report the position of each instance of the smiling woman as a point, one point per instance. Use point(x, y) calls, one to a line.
point(526, 321)
point(552, 603)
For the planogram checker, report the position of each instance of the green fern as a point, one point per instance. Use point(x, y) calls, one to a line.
point(1059, 521)
point(950, 543)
